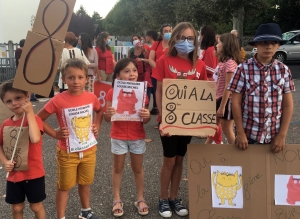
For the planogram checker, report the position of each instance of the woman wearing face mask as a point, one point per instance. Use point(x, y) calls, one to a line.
point(105, 56)
point(181, 59)
point(139, 54)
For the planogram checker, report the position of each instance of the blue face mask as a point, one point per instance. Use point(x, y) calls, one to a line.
point(185, 47)
point(108, 42)
point(167, 36)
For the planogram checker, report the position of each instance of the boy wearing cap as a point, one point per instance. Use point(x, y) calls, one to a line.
point(262, 101)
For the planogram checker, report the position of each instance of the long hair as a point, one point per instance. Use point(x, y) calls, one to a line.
point(177, 31)
point(231, 48)
point(208, 37)
point(86, 43)
point(121, 64)
point(101, 43)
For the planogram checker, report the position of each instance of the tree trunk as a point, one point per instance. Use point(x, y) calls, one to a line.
point(238, 20)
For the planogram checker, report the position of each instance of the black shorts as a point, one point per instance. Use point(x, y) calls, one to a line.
point(33, 190)
point(228, 112)
point(175, 145)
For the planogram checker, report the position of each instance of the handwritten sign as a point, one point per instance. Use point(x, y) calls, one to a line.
point(100, 90)
point(259, 169)
point(43, 47)
point(5, 112)
point(189, 106)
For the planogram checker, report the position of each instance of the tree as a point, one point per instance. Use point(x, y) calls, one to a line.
point(97, 20)
point(287, 14)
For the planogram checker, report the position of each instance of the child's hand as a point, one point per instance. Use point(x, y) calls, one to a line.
point(144, 113)
point(110, 111)
point(241, 141)
point(27, 106)
point(278, 143)
point(62, 133)
point(220, 112)
point(9, 166)
point(95, 130)
point(162, 133)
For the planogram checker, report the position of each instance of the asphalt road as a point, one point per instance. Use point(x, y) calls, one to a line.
point(101, 190)
point(295, 68)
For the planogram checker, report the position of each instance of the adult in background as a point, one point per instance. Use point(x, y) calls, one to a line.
point(70, 52)
point(159, 48)
point(85, 43)
point(105, 56)
point(18, 51)
point(139, 54)
point(242, 51)
point(151, 37)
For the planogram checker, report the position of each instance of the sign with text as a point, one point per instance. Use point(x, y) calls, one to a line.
point(100, 90)
point(269, 185)
point(189, 106)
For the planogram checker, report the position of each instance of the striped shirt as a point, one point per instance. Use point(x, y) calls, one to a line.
point(223, 68)
point(262, 87)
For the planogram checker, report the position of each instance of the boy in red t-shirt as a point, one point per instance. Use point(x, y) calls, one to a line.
point(76, 150)
point(29, 183)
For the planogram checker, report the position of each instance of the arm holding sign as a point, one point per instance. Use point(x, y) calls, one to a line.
point(110, 111)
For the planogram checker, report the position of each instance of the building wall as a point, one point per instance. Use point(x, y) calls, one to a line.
point(15, 16)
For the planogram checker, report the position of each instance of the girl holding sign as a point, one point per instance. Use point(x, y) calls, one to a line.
point(181, 62)
point(127, 136)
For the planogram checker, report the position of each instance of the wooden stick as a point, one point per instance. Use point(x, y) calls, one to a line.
point(15, 147)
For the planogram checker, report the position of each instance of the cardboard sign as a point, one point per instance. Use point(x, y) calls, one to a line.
point(100, 90)
point(267, 186)
point(5, 112)
point(9, 139)
point(189, 106)
point(128, 98)
point(79, 121)
point(43, 47)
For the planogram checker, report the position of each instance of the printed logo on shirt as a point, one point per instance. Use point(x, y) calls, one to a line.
point(182, 74)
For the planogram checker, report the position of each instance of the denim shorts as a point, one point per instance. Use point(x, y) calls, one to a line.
point(123, 146)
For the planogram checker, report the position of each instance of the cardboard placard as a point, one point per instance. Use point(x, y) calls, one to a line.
point(259, 166)
point(38, 64)
point(54, 16)
point(5, 112)
point(100, 90)
point(43, 47)
point(10, 134)
point(189, 106)
point(128, 98)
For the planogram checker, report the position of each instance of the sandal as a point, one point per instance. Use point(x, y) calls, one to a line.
point(140, 210)
point(114, 209)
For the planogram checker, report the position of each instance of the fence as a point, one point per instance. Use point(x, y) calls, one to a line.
point(9, 49)
point(7, 69)
point(120, 51)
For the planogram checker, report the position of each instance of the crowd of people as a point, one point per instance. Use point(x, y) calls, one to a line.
point(253, 97)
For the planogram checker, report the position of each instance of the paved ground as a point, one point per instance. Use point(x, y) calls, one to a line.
point(101, 197)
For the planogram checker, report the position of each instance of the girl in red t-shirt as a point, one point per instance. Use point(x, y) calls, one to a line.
point(228, 52)
point(181, 62)
point(127, 136)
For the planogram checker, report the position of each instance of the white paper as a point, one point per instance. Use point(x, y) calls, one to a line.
point(79, 121)
point(227, 187)
point(287, 189)
point(128, 99)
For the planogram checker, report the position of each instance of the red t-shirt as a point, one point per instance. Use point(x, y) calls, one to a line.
point(223, 68)
point(125, 130)
point(35, 158)
point(159, 51)
point(65, 100)
point(171, 67)
point(104, 59)
point(210, 60)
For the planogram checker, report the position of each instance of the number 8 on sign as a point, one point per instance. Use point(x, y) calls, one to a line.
point(102, 96)
point(171, 117)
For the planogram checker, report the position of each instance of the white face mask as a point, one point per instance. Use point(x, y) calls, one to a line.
point(135, 42)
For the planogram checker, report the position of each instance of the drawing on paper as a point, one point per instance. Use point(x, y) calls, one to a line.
point(81, 126)
point(293, 190)
point(227, 186)
point(126, 102)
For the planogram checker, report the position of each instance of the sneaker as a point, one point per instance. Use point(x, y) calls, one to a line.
point(88, 215)
point(177, 206)
point(164, 208)
point(154, 111)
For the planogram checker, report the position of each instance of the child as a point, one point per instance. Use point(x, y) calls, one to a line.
point(127, 136)
point(262, 87)
point(29, 183)
point(182, 58)
point(229, 55)
point(75, 166)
